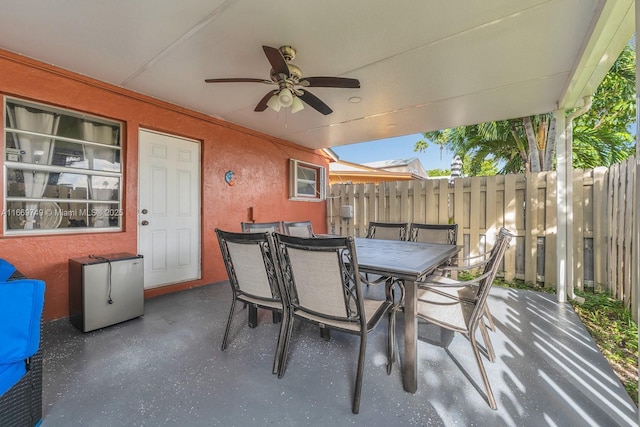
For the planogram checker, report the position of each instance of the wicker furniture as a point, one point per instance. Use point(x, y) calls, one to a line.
point(460, 306)
point(253, 271)
point(21, 405)
point(323, 282)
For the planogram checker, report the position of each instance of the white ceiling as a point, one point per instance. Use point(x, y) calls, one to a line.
point(422, 65)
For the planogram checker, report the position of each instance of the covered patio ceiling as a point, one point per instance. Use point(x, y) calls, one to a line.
point(422, 65)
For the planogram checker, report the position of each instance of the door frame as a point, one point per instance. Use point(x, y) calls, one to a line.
point(198, 193)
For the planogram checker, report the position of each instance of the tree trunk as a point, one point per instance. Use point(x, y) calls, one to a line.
point(521, 149)
point(534, 153)
point(550, 149)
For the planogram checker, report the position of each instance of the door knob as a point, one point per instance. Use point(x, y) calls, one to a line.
point(144, 211)
point(145, 222)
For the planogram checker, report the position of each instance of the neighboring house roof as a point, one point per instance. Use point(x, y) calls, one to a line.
point(347, 172)
point(411, 164)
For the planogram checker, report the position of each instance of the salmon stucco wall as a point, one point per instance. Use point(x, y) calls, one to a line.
point(260, 163)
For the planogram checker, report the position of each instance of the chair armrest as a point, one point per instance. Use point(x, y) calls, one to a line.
point(438, 287)
point(451, 283)
point(456, 298)
point(471, 266)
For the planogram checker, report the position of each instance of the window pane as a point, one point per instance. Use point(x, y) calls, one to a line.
point(69, 186)
point(33, 215)
point(29, 148)
point(306, 189)
point(74, 215)
point(102, 159)
point(104, 215)
point(104, 188)
point(68, 154)
point(307, 174)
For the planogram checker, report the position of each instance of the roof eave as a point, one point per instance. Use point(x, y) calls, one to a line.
point(612, 29)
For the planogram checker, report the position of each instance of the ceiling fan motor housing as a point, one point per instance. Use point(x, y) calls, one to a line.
point(288, 53)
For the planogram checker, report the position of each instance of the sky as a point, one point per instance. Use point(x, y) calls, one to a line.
point(393, 149)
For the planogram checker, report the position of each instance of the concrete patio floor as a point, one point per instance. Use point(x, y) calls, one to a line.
point(166, 368)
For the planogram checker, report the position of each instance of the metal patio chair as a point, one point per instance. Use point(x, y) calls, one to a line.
point(387, 230)
point(471, 264)
point(433, 233)
point(446, 234)
point(254, 275)
point(460, 306)
point(261, 227)
point(322, 279)
point(298, 228)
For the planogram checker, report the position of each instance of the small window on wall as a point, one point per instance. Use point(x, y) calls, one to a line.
point(63, 171)
point(306, 181)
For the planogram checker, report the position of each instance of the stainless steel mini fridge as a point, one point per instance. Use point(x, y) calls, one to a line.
point(105, 290)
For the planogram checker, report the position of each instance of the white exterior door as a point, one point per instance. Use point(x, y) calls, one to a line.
point(168, 208)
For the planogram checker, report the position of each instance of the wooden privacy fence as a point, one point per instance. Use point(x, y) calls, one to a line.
point(526, 205)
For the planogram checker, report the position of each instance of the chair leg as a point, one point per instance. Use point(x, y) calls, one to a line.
point(253, 316)
point(285, 346)
point(487, 341)
point(391, 340)
point(226, 332)
point(483, 373)
point(355, 408)
point(325, 333)
point(277, 360)
point(489, 317)
point(276, 317)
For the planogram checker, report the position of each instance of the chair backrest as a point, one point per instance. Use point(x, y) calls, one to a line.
point(322, 279)
point(490, 271)
point(434, 233)
point(261, 227)
point(387, 230)
point(298, 228)
point(252, 264)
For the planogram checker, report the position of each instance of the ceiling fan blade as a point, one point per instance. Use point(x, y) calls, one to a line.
point(239, 80)
point(277, 61)
point(341, 82)
point(315, 102)
point(262, 105)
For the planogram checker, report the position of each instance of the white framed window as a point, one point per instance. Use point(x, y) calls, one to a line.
point(306, 181)
point(63, 170)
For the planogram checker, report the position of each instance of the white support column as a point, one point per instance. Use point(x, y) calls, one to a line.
point(635, 278)
point(562, 265)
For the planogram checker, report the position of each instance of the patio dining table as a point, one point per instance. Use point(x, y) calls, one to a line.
point(410, 262)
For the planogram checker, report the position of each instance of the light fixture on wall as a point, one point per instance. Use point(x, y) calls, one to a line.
point(285, 98)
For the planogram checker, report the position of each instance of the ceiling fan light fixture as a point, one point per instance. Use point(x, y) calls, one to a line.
point(274, 103)
point(296, 105)
point(285, 97)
